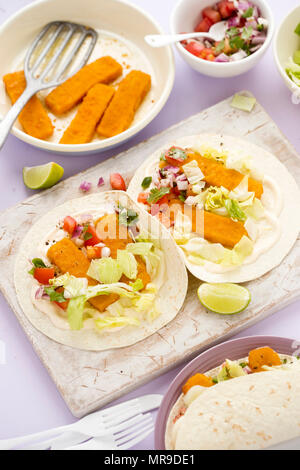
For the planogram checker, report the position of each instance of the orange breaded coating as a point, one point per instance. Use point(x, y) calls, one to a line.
point(83, 126)
point(34, 117)
point(216, 228)
point(263, 357)
point(68, 94)
point(120, 113)
point(216, 174)
point(197, 379)
point(68, 258)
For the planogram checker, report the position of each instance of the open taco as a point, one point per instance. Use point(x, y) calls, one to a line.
point(250, 403)
point(96, 273)
point(232, 207)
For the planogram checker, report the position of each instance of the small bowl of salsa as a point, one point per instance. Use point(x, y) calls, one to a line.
point(249, 28)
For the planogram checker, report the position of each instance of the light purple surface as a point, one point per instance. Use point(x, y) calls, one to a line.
point(29, 401)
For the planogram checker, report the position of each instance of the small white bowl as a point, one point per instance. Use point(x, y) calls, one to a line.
point(286, 42)
point(184, 18)
point(119, 18)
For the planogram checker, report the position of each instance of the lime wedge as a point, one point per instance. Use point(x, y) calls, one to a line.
point(226, 299)
point(42, 176)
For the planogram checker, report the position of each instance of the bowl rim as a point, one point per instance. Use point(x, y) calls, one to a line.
point(105, 144)
point(280, 68)
point(281, 344)
point(226, 65)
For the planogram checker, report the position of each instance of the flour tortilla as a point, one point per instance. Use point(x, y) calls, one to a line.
point(249, 412)
point(169, 298)
point(268, 165)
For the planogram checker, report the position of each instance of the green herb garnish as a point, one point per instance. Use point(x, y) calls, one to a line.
point(146, 182)
point(247, 33)
point(87, 236)
point(127, 217)
point(284, 361)
point(236, 43)
point(243, 364)
point(215, 380)
point(232, 32)
point(248, 13)
point(260, 27)
point(220, 47)
point(37, 263)
point(54, 295)
point(156, 194)
point(182, 196)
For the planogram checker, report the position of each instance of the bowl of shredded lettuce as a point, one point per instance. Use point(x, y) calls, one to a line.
point(287, 50)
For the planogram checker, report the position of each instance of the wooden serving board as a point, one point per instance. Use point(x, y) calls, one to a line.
point(89, 380)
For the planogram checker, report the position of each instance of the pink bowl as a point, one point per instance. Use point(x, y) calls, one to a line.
point(234, 349)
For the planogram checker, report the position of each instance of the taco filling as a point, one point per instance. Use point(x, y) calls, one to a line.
point(195, 394)
point(98, 272)
point(215, 204)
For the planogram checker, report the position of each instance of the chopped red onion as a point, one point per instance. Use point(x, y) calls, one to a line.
point(182, 185)
point(234, 21)
point(247, 370)
point(239, 55)
point(85, 186)
point(172, 169)
point(254, 49)
point(156, 178)
point(39, 293)
point(259, 39)
point(100, 182)
point(222, 58)
point(181, 177)
point(78, 231)
point(165, 183)
point(244, 5)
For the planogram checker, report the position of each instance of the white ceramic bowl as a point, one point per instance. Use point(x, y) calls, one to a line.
point(184, 18)
point(286, 42)
point(118, 17)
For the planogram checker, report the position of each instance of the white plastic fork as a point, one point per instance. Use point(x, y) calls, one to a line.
point(134, 433)
point(96, 424)
point(216, 33)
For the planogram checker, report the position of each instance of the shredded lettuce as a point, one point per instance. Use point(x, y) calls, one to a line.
point(215, 198)
point(74, 286)
point(140, 248)
point(115, 322)
point(293, 71)
point(256, 210)
point(199, 250)
point(137, 285)
point(209, 152)
point(245, 103)
point(127, 264)
point(234, 210)
point(76, 305)
point(105, 270)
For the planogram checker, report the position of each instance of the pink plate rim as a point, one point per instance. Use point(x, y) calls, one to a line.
point(213, 357)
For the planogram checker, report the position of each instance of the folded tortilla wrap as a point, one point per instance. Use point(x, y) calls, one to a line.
point(243, 249)
point(249, 412)
point(170, 293)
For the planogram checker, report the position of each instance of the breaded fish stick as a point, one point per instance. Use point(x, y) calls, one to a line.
point(70, 259)
point(83, 126)
point(216, 174)
point(213, 227)
point(34, 117)
point(120, 113)
point(68, 94)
